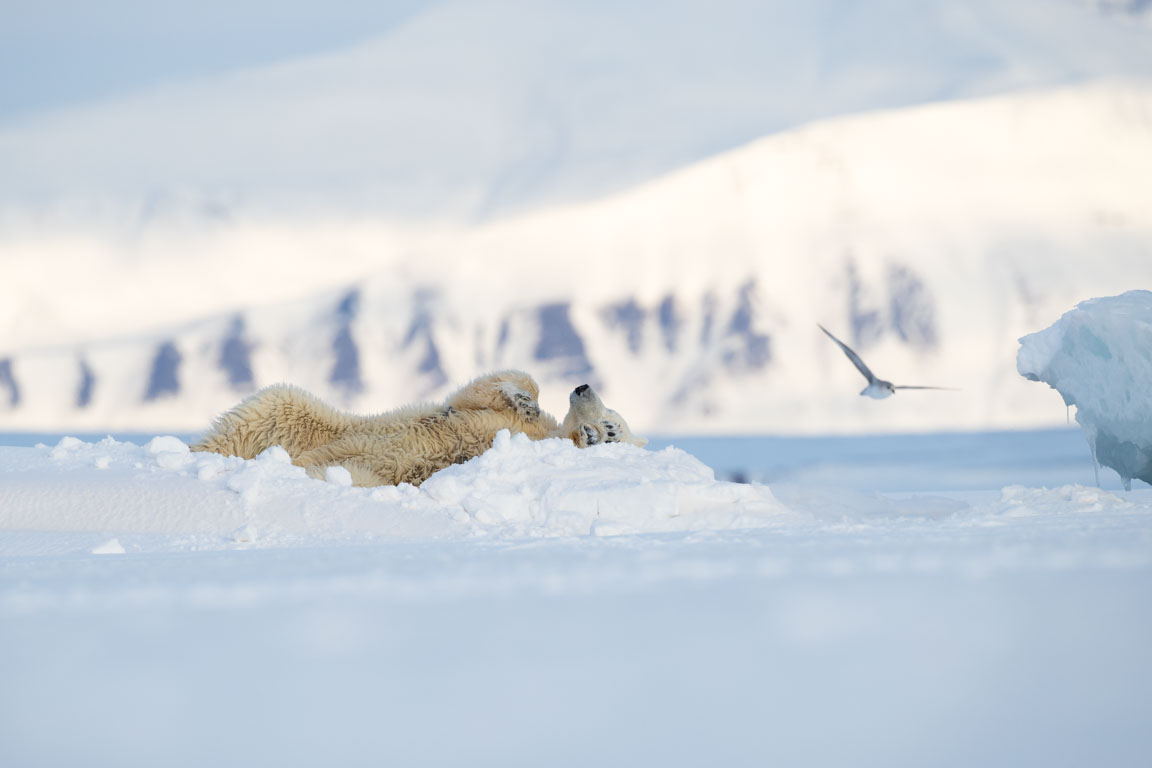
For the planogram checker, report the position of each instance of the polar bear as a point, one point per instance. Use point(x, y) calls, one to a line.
point(408, 444)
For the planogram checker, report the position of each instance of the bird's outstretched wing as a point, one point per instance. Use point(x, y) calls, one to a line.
point(947, 389)
point(855, 358)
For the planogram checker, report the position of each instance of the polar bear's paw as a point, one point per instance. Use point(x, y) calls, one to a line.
point(603, 431)
point(591, 435)
point(520, 401)
point(526, 406)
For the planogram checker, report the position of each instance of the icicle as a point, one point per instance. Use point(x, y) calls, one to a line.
point(1095, 463)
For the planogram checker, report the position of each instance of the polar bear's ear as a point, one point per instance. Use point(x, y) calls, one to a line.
point(627, 436)
point(632, 439)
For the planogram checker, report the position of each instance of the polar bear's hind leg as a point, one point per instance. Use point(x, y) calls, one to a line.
point(278, 415)
point(502, 391)
point(521, 400)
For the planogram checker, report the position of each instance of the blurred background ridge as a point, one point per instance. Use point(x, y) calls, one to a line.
point(662, 199)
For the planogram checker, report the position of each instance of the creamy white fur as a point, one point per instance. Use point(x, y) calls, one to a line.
point(408, 444)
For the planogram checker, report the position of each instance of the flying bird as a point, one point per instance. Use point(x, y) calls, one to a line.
point(877, 389)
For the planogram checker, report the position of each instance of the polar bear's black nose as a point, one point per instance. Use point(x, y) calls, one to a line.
point(581, 389)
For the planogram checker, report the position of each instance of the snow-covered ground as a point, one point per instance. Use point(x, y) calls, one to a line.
point(542, 605)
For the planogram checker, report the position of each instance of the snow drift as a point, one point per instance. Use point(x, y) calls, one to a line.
point(160, 496)
point(519, 487)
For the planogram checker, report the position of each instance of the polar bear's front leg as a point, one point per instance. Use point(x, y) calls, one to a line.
point(611, 430)
point(603, 431)
point(587, 435)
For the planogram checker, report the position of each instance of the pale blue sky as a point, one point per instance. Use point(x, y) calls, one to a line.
point(57, 52)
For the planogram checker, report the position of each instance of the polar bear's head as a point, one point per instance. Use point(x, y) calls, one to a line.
point(590, 422)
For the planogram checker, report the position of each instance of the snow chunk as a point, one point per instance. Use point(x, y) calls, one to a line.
point(1021, 501)
point(65, 447)
point(1098, 356)
point(338, 476)
point(110, 547)
point(173, 460)
point(272, 469)
point(170, 452)
point(166, 444)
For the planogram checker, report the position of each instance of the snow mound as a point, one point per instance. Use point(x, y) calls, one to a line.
point(518, 488)
point(551, 487)
point(1098, 356)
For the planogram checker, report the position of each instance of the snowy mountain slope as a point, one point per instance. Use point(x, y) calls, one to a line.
point(476, 108)
point(929, 238)
point(1138, 11)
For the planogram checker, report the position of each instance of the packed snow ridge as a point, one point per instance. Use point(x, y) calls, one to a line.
point(517, 488)
point(111, 497)
point(1098, 356)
